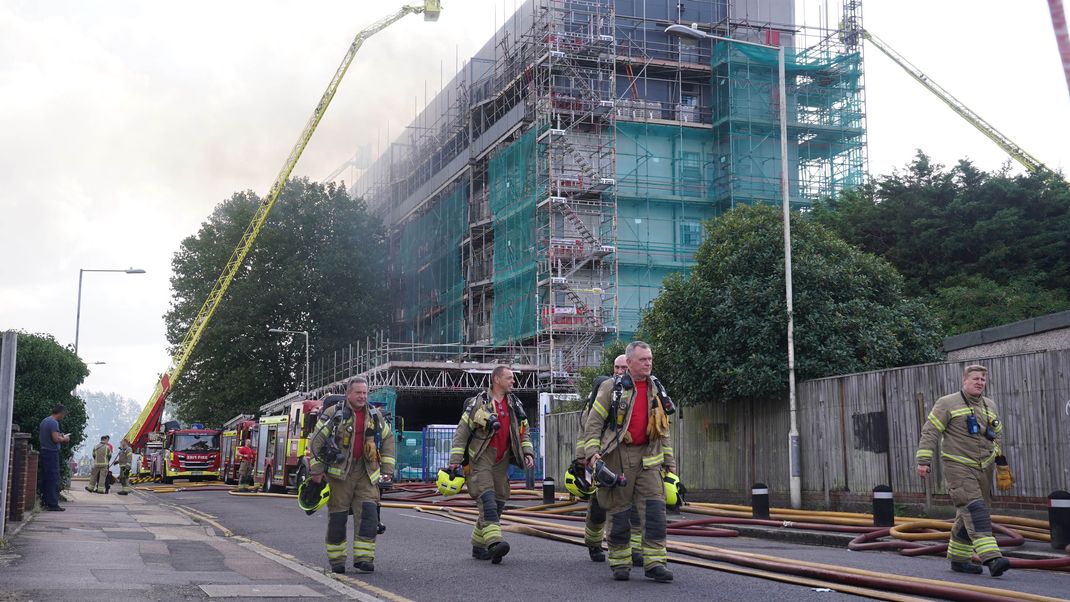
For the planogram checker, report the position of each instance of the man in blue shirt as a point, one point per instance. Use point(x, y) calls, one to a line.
point(50, 439)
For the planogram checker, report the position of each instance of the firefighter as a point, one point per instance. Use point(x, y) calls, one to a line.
point(246, 458)
point(969, 431)
point(491, 435)
point(595, 523)
point(354, 446)
point(123, 459)
point(626, 442)
point(98, 478)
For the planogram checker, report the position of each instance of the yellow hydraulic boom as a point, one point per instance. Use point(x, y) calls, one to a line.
point(150, 416)
point(1016, 152)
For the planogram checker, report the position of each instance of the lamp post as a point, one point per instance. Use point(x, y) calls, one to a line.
point(304, 332)
point(78, 315)
point(794, 450)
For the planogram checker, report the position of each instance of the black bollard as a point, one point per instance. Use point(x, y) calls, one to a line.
point(759, 500)
point(529, 478)
point(883, 507)
point(1059, 518)
point(548, 491)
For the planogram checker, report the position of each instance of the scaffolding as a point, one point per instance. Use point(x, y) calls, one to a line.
point(540, 199)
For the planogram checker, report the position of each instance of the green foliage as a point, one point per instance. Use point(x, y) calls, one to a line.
point(720, 333)
point(45, 374)
point(587, 375)
point(319, 265)
point(947, 230)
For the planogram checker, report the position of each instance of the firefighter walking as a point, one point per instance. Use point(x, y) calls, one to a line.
point(626, 442)
point(123, 459)
point(595, 522)
point(98, 478)
point(491, 435)
point(354, 446)
point(246, 459)
point(969, 432)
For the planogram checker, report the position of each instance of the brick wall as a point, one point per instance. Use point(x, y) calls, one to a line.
point(21, 489)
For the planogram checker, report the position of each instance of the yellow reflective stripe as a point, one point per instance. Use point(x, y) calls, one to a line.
point(961, 460)
point(991, 458)
point(456, 450)
point(653, 460)
point(924, 453)
point(598, 407)
point(527, 445)
point(465, 419)
point(375, 475)
point(936, 422)
point(666, 449)
point(960, 412)
point(387, 460)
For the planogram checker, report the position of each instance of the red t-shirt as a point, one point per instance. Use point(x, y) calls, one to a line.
point(246, 453)
point(358, 434)
point(500, 440)
point(640, 415)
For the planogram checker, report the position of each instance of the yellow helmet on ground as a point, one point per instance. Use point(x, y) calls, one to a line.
point(312, 496)
point(674, 491)
point(576, 482)
point(450, 483)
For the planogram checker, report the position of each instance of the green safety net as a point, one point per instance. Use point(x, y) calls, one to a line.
point(431, 282)
point(511, 179)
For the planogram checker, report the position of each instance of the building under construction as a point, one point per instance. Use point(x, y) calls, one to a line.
point(538, 201)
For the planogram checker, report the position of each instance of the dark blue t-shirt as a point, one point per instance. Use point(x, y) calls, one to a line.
point(48, 426)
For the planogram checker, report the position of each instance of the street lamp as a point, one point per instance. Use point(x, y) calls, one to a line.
point(304, 332)
point(794, 451)
point(78, 316)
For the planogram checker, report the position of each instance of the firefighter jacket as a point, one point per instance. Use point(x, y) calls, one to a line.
point(100, 454)
point(377, 438)
point(947, 424)
point(605, 426)
point(124, 457)
point(472, 433)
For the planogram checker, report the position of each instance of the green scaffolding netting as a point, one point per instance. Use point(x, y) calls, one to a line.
point(511, 179)
point(429, 268)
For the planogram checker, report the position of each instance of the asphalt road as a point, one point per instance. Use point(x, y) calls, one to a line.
point(429, 558)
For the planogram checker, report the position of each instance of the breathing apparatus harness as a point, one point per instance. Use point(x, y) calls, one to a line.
point(601, 474)
point(490, 421)
point(330, 452)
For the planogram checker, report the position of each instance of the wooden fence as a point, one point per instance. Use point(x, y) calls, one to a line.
point(861, 430)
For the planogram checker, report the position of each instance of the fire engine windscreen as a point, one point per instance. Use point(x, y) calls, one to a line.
point(196, 443)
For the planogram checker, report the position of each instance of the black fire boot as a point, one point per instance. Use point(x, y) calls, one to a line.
point(659, 573)
point(480, 553)
point(597, 554)
point(998, 566)
point(966, 567)
point(498, 551)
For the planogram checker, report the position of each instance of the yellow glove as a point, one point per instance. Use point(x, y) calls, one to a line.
point(658, 425)
point(1004, 476)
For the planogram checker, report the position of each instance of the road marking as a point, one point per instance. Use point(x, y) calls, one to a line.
point(317, 575)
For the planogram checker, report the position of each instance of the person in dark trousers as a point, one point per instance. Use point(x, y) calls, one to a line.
point(50, 438)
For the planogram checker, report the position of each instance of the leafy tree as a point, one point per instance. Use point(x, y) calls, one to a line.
point(949, 228)
point(45, 374)
point(319, 265)
point(605, 367)
point(720, 332)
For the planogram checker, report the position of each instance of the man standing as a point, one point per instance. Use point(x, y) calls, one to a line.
point(628, 431)
point(123, 459)
point(50, 439)
point(351, 442)
point(97, 480)
point(968, 429)
point(492, 433)
point(595, 523)
point(246, 457)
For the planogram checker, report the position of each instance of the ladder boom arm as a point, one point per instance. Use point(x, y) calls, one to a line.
point(149, 418)
point(1016, 152)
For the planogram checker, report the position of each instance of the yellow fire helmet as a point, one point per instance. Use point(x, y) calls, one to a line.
point(312, 496)
point(578, 486)
point(673, 490)
point(450, 483)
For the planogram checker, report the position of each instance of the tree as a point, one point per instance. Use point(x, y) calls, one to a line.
point(604, 368)
point(720, 332)
point(944, 228)
point(319, 265)
point(45, 374)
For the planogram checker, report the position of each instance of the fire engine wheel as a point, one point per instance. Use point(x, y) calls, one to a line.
point(266, 488)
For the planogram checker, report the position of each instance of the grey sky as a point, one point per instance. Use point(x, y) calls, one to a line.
point(122, 124)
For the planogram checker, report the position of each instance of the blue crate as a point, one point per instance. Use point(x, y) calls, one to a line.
point(438, 439)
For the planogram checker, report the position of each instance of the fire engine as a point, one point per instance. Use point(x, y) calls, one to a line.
point(191, 453)
point(235, 432)
point(282, 440)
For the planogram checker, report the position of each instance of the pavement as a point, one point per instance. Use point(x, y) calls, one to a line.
point(108, 547)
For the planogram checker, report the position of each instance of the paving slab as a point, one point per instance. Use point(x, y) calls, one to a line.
point(259, 591)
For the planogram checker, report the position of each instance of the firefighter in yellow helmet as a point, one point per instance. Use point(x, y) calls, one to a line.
point(353, 444)
point(594, 527)
point(966, 425)
point(98, 478)
point(492, 433)
point(626, 442)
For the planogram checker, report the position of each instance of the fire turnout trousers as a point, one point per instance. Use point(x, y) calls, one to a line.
point(645, 492)
point(355, 492)
point(594, 527)
point(98, 479)
point(971, 492)
point(245, 475)
point(488, 485)
point(124, 478)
